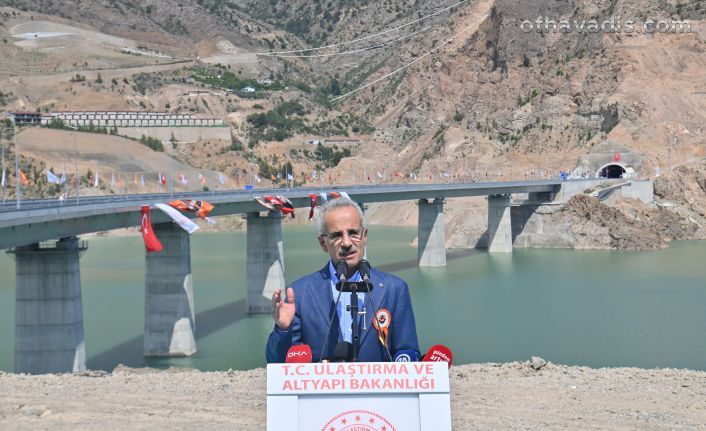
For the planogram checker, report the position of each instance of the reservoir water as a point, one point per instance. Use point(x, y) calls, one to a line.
point(595, 308)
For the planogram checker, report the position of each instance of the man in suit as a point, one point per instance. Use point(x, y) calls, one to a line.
point(310, 303)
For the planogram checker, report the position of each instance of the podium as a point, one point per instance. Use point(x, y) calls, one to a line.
point(359, 396)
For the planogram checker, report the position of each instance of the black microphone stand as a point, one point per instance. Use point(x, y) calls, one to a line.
point(354, 287)
point(354, 315)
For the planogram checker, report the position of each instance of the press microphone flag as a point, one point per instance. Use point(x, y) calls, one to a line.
point(439, 353)
point(299, 354)
point(406, 356)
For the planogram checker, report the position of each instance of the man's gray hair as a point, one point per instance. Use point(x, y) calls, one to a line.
point(332, 205)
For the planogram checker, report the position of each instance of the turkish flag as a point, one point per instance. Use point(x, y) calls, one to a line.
point(151, 241)
point(312, 204)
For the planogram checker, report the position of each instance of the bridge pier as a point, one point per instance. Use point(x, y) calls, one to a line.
point(265, 260)
point(431, 249)
point(48, 313)
point(499, 224)
point(362, 208)
point(169, 296)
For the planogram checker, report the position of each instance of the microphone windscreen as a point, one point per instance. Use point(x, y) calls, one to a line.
point(364, 269)
point(299, 354)
point(342, 268)
point(406, 356)
point(343, 351)
point(439, 353)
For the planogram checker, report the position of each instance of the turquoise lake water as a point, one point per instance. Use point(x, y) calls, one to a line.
point(595, 308)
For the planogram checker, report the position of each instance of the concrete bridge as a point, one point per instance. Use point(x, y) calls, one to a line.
point(49, 318)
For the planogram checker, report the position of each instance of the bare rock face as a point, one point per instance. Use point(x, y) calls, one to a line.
point(630, 225)
point(686, 188)
point(624, 233)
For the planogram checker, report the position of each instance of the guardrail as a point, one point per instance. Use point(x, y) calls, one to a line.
point(241, 195)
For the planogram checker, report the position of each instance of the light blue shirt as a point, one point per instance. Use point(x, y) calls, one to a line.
point(344, 315)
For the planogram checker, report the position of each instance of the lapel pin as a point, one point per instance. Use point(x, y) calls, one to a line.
point(381, 285)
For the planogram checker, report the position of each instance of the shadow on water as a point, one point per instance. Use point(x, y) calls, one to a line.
point(412, 263)
point(130, 352)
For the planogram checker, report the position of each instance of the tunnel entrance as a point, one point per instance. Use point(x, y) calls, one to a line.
point(612, 171)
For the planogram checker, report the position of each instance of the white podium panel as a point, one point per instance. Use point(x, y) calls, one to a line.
point(412, 396)
point(370, 412)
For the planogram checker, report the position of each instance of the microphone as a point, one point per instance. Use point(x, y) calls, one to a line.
point(341, 353)
point(364, 269)
point(406, 356)
point(439, 353)
point(342, 270)
point(299, 354)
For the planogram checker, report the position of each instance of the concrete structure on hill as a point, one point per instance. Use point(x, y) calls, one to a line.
point(130, 119)
point(609, 159)
point(180, 128)
point(27, 118)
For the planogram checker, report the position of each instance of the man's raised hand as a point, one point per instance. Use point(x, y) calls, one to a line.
point(283, 312)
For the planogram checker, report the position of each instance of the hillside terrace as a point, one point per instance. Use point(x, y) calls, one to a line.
point(116, 118)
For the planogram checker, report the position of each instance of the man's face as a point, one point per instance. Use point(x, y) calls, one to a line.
point(343, 237)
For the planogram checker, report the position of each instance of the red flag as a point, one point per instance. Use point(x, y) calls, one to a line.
point(23, 178)
point(152, 244)
point(312, 203)
point(288, 206)
point(205, 210)
point(281, 203)
point(201, 208)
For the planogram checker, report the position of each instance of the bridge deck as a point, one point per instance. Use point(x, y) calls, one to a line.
point(41, 220)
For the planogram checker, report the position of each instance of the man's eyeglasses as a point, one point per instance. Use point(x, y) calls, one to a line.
point(353, 234)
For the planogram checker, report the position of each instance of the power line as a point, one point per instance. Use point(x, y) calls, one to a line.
point(436, 48)
point(362, 38)
point(367, 48)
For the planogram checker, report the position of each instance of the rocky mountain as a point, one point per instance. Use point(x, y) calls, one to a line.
point(475, 89)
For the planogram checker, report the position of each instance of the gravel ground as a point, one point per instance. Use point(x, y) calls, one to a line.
point(509, 396)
